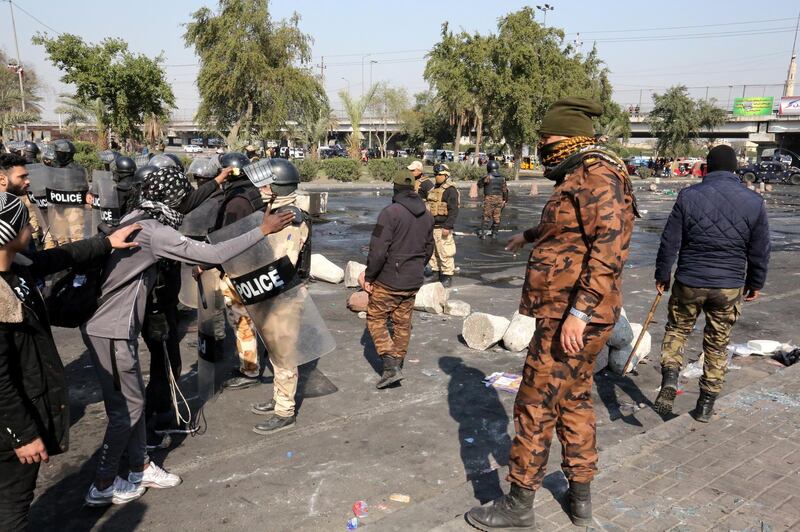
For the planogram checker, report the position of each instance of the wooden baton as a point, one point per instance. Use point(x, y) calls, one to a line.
point(645, 325)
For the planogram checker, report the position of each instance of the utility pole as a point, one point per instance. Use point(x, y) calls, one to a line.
point(371, 62)
point(362, 73)
point(788, 89)
point(545, 8)
point(322, 68)
point(19, 67)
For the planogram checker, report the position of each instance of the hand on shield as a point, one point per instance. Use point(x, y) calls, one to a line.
point(273, 223)
point(119, 238)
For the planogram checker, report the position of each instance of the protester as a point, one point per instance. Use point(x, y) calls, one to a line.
point(718, 231)
point(113, 329)
point(574, 290)
point(400, 247)
point(34, 403)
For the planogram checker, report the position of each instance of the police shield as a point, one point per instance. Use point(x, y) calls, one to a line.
point(108, 204)
point(66, 202)
point(196, 225)
point(37, 193)
point(142, 160)
point(210, 331)
point(282, 310)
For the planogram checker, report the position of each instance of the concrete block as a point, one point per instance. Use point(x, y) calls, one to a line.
point(314, 203)
point(455, 307)
point(519, 333)
point(358, 301)
point(622, 333)
point(324, 270)
point(482, 331)
point(352, 271)
point(432, 297)
point(619, 356)
point(601, 362)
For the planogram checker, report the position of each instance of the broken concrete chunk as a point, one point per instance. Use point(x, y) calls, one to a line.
point(455, 307)
point(324, 270)
point(432, 297)
point(352, 271)
point(622, 333)
point(358, 301)
point(619, 356)
point(482, 331)
point(601, 362)
point(519, 333)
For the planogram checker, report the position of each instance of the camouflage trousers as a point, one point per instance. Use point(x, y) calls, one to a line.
point(556, 393)
point(492, 210)
point(386, 303)
point(68, 224)
point(722, 307)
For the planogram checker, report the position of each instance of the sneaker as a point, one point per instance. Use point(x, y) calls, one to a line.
point(120, 492)
point(154, 477)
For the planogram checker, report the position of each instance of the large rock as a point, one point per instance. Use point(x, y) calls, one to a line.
point(482, 331)
point(352, 271)
point(619, 356)
point(324, 270)
point(314, 203)
point(519, 333)
point(358, 301)
point(601, 362)
point(455, 307)
point(622, 333)
point(432, 297)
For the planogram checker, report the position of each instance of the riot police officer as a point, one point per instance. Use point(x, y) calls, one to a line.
point(30, 151)
point(495, 197)
point(123, 170)
point(66, 190)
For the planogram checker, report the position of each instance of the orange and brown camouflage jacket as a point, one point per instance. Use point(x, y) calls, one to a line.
point(580, 245)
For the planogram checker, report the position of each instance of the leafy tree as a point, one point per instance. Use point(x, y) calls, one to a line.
point(316, 129)
point(10, 102)
point(355, 109)
point(389, 105)
point(129, 86)
point(677, 119)
point(427, 122)
point(253, 70)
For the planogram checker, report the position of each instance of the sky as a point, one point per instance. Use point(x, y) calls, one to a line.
point(734, 47)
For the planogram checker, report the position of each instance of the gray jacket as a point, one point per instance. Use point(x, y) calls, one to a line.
point(130, 273)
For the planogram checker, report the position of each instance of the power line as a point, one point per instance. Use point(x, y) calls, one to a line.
point(34, 18)
point(706, 26)
point(680, 37)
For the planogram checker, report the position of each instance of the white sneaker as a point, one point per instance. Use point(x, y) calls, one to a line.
point(154, 477)
point(120, 492)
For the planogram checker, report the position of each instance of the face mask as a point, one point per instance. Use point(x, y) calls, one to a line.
point(441, 179)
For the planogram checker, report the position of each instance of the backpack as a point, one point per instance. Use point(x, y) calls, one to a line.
point(75, 297)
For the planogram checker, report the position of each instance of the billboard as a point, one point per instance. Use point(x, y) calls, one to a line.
point(790, 105)
point(753, 106)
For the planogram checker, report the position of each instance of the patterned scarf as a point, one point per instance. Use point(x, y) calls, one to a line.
point(162, 192)
point(555, 153)
point(13, 217)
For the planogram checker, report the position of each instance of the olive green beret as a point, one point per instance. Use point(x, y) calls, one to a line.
point(403, 179)
point(571, 117)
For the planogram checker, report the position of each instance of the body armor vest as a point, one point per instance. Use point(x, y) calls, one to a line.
point(435, 202)
point(494, 185)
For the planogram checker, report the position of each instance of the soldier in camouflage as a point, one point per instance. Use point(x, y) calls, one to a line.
point(574, 289)
point(495, 197)
point(719, 233)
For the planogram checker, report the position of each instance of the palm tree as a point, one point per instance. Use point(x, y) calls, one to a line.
point(355, 108)
point(153, 129)
point(80, 113)
point(316, 129)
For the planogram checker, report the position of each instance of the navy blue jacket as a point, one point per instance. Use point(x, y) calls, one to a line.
point(719, 231)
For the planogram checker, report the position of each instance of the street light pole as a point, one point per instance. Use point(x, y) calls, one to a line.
point(362, 72)
point(788, 88)
point(544, 8)
point(19, 67)
point(730, 91)
point(371, 62)
point(348, 84)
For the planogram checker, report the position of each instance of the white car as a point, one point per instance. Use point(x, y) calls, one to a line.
point(192, 148)
point(297, 153)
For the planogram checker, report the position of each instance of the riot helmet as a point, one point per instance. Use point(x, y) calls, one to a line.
point(162, 160)
point(493, 166)
point(48, 154)
point(123, 168)
point(64, 152)
point(143, 171)
point(108, 156)
point(177, 160)
point(233, 159)
point(281, 175)
point(437, 168)
point(203, 168)
point(30, 150)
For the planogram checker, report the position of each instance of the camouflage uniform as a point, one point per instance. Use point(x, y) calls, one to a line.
point(385, 303)
point(246, 342)
point(579, 249)
point(722, 307)
point(492, 209)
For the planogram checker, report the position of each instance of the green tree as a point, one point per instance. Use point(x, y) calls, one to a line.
point(11, 114)
point(129, 86)
point(355, 109)
point(253, 70)
point(78, 114)
point(427, 122)
point(677, 120)
point(316, 129)
point(389, 104)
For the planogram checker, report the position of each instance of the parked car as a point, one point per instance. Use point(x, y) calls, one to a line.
point(770, 171)
point(192, 148)
point(297, 153)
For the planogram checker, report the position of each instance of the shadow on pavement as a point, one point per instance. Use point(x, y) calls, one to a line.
point(482, 427)
point(607, 384)
point(370, 353)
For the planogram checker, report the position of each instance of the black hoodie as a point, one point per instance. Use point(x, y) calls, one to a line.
point(401, 243)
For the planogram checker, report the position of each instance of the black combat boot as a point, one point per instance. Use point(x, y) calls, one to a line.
point(705, 407)
point(274, 424)
point(514, 510)
point(392, 372)
point(263, 409)
point(240, 381)
point(446, 280)
point(481, 232)
point(669, 388)
point(494, 232)
point(580, 503)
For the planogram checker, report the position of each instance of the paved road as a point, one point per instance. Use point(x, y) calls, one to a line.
point(442, 438)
